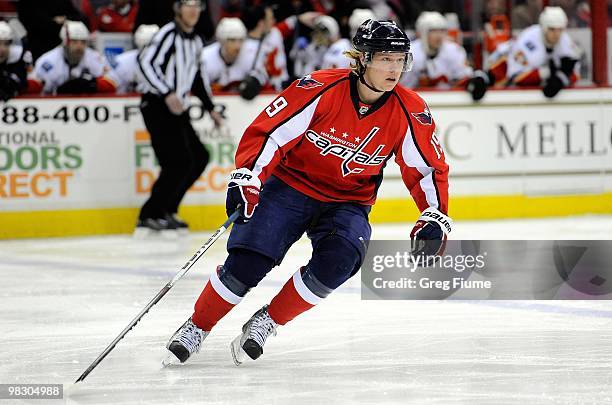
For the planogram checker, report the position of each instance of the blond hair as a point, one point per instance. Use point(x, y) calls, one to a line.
point(356, 64)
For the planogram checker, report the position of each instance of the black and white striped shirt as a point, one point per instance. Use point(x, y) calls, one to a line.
point(170, 63)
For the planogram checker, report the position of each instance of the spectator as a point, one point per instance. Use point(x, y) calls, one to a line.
point(231, 8)
point(119, 16)
point(43, 20)
point(88, 10)
point(544, 55)
point(438, 61)
point(578, 12)
point(7, 6)
point(526, 14)
point(161, 12)
point(72, 67)
point(494, 7)
point(125, 74)
point(14, 62)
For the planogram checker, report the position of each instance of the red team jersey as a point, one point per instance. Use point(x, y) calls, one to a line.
point(314, 138)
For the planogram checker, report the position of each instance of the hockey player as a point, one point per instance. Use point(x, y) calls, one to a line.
point(312, 162)
point(335, 58)
point(544, 55)
point(259, 21)
point(325, 32)
point(438, 61)
point(125, 75)
point(228, 60)
point(494, 75)
point(275, 58)
point(14, 62)
point(72, 67)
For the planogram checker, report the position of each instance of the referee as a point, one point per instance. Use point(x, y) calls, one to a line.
point(170, 70)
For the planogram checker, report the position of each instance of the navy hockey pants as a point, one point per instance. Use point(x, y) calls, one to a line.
point(339, 233)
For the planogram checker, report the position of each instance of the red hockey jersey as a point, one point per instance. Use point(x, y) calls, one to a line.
point(317, 137)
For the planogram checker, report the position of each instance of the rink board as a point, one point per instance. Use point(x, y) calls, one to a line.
point(78, 166)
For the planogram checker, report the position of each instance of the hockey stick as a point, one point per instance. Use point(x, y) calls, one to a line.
point(213, 238)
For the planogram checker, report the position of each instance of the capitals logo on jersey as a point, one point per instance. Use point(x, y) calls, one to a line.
point(348, 151)
point(424, 117)
point(307, 82)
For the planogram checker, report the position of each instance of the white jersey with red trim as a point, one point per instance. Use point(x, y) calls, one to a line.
point(497, 61)
point(314, 138)
point(274, 59)
point(448, 67)
point(126, 74)
point(529, 53)
point(223, 76)
point(334, 58)
point(52, 68)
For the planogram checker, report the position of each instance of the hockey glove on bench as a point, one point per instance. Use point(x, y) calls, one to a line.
point(243, 194)
point(428, 237)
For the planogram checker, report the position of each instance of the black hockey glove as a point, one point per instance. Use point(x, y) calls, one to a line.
point(79, 85)
point(559, 76)
point(4, 96)
point(553, 86)
point(567, 66)
point(477, 86)
point(8, 87)
point(242, 194)
point(428, 237)
point(249, 88)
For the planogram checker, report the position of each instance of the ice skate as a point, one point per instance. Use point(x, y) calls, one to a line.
point(152, 227)
point(185, 341)
point(177, 222)
point(253, 337)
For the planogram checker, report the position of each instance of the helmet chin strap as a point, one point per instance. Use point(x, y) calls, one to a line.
point(362, 80)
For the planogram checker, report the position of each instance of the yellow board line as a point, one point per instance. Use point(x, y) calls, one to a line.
point(37, 224)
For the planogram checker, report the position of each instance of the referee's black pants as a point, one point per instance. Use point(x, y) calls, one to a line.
point(182, 157)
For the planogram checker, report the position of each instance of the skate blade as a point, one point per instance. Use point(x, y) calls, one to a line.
point(169, 234)
point(151, 234)
point(238, 354)
point(170, 360)
point(142, 233)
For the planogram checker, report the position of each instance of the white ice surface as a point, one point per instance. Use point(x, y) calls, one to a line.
point(64, 300)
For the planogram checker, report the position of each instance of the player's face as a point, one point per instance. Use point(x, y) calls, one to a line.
point(231, 48)
point(385, 69)
point(435, 38)
point(553, 35)
point(4, 50)
point(190, 14)
point(75, 51)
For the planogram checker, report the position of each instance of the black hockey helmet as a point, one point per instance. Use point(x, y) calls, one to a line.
point(381, 36)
